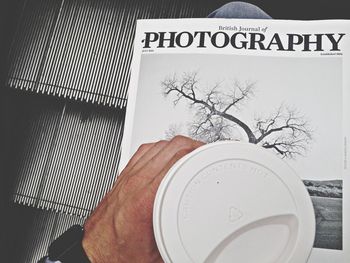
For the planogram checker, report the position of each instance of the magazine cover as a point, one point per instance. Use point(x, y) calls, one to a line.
point(283, 85)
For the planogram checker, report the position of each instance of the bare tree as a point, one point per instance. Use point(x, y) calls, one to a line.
point(285, 130)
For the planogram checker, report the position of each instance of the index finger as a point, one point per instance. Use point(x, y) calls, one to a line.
point(175, 149)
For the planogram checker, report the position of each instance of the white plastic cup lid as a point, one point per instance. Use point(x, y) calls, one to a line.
point(233, 202)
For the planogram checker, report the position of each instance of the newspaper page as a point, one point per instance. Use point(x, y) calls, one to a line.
point(283, 85)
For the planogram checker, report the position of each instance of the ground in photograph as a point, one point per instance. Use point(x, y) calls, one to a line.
point(327, 199)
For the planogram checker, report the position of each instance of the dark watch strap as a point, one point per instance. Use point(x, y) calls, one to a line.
point(68, 247)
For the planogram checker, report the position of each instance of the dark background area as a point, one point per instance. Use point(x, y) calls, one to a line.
point(9, 16)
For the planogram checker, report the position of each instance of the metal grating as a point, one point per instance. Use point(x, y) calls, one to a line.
point(27, 51)
point(64, 154)
point(82, 49)
point(67, 155)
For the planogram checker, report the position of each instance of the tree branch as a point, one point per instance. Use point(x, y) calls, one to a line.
point(285, 131)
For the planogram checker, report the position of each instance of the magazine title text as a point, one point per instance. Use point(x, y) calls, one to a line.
point(243, 40)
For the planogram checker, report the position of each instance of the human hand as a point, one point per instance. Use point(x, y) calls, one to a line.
point(120, 229)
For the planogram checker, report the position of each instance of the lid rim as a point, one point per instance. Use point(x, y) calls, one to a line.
point(303, 202)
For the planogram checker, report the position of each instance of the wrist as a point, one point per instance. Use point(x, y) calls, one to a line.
point(98, 243)
point(90, 250)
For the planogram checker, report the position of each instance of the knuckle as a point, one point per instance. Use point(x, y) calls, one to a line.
point(162, 143)
point(144, 147)
point(181, 140)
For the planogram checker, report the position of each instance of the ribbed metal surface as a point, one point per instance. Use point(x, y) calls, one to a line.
point(83, 164)
point(66, 154)
point(37, 229)
point(81, 49)
point(69, 155)
point(37, 135)
point(29, 44)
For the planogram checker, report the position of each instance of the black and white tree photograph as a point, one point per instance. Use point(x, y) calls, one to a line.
point(289, 106)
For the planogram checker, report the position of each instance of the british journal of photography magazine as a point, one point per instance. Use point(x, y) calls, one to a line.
point(283, 85)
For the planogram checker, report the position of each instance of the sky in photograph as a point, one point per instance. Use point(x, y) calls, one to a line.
point(313, 86)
